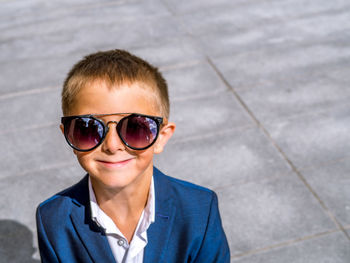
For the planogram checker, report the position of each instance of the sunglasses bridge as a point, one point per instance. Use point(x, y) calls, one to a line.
point(107, 125)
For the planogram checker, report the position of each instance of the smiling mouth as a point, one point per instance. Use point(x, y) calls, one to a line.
point(117, 164)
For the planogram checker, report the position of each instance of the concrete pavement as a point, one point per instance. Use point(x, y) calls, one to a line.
point(259, 91)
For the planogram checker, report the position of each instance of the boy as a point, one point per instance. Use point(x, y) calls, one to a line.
point(116, 110)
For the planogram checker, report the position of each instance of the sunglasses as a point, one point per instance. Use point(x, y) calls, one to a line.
point(86, 132)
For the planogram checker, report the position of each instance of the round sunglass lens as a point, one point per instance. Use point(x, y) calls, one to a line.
point(138, 132)
point(84, 133)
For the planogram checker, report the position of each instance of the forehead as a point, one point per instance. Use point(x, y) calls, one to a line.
point(100, 97)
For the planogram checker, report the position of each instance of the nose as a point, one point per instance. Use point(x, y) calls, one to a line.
point(112, 143)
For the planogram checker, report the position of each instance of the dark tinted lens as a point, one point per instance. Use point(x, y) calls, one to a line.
point(138, 131)
point(84, 133)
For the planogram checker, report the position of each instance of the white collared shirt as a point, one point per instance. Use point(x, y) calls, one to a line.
point(123, 251)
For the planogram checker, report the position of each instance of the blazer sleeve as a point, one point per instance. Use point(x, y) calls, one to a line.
point(47, 252)
point(214, 248)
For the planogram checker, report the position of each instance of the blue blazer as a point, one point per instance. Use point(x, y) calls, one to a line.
point(187, 226)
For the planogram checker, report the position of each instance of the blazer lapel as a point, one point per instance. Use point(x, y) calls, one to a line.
point(159, 232)
point(90, 234)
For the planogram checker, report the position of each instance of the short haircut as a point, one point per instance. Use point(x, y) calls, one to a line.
point(116, 67)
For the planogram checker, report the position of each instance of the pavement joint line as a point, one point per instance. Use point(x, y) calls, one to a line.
point(27, 92)
point(168, 7)
point(279, 149)
point(285, 244)
point(100, 4)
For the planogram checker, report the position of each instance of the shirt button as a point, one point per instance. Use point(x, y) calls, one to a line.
point(121, 242)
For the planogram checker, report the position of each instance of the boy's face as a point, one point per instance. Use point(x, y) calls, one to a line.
point(113, 165)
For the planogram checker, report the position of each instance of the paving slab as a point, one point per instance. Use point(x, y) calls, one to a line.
point(250, 27)
point(38, 13)
point(16, 242)
point(81, 35)
point(312, 140)
point(163, 53)
point(32, 74)
point(333, 248)
point(183, 6)
point(284, 65)
point(27, 111)
point(262, 9)
point(222, 159)
point(204, 115)
point(30, 150)
point(194, 80)
point(21, 194)
point(292, 92)
point(35, 7)
point(269, 212)
point(332, 184)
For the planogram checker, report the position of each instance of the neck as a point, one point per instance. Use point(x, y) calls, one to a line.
point(124, 206)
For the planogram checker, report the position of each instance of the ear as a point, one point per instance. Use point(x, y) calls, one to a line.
point(164, 135)
point(62, 128)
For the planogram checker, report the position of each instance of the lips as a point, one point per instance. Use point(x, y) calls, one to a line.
point(115, 164)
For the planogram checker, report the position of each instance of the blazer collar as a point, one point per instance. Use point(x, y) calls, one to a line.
point(158, 233)
point(90, 234)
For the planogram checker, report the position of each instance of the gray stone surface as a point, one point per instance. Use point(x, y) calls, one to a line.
point(332, 184)
point(22, 75)
point(14, 234)
point(288, 62)
point(314, 139)
point(165, 53)
point(197, 80)
point(243, 26)
point(24, 187)
point(223, 159)
point(203, 115)
point(21, 194)
point(329, 248)
point(37, 108)
point(77, 33)
point(268, 212)
point(285, 84)
point(34, 149)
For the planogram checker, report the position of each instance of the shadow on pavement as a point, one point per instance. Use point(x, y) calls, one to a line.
point(16, 243)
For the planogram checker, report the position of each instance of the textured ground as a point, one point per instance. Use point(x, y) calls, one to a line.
point(260, 94)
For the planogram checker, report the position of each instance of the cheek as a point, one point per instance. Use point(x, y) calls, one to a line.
point(146, 156)
point(84, 160)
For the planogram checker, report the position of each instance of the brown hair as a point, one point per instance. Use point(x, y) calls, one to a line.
point(116, 67)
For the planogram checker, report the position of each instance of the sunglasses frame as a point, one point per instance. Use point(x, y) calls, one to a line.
point(158, 120)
